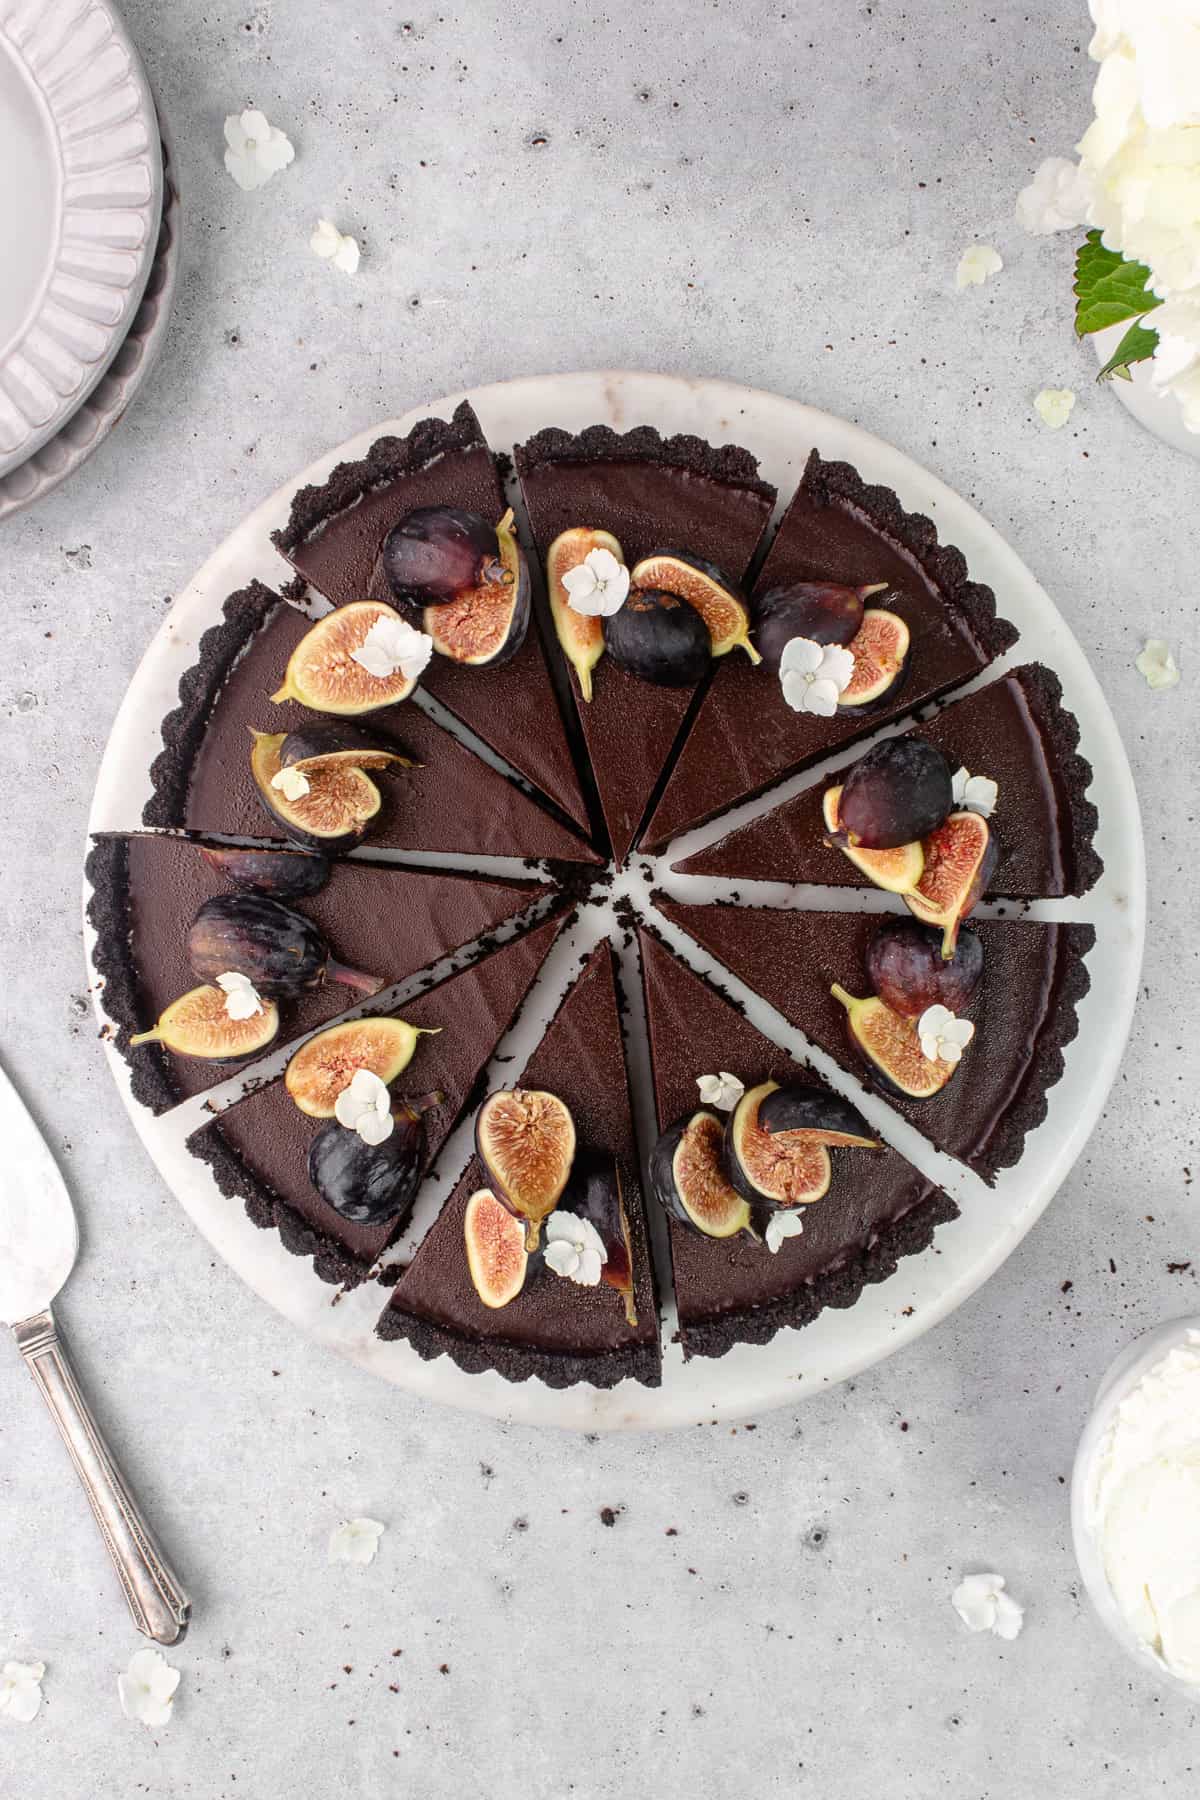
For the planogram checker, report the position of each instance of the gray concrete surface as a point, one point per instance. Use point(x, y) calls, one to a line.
point(780, 194)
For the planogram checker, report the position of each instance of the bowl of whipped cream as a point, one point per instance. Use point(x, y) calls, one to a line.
point(1135, 1502)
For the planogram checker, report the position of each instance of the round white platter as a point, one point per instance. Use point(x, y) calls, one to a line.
point(750, 1379)
point(80, 202)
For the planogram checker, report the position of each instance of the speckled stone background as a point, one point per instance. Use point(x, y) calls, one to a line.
point(778, 193)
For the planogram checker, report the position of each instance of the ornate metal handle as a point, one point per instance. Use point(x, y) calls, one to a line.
point(158, 1603)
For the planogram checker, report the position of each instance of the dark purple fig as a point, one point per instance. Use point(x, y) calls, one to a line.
point(820, 610)
point(284, 874)
point(439, 553)
point(773, 1168)
point(896, 794)
point(688, 1179)
point(370, 1184)
point(822, 1116)
point(594, 1193)
point(660, 638)
point(485, 625)
point(906, 968)
point(331, 806)
point(280, 951)
point(718, 600)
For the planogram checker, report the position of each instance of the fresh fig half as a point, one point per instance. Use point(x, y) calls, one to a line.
point(370, 1184)
point(898, 792)
point(822, 611)
point(327, 744)
point(773, 1168)
point(659, 638)
point(897, 871)
point(323, 675)
point(891, 1046)
point(497, 1256)
point(328, 1062)
point(486, 624)
point(594, 1193)
point(817, 1114)
point(715, 597)
point(284, 874)
point(271, 944)
point(580, 634)
point(334, 809)
point(960, 860)
point(688, 1179)
point(906, 968)
point(880, 651)
point(526, 1138)
point(198, 1024)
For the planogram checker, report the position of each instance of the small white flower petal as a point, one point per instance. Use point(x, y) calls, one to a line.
point(346, 256)
point(930, 1046)
point(325, 239)
point(393, 645)
point(374, 1127)
point(958, 785)
point(837, 665)
point(1010, 1616)
point(604, 565)
point(255, 150)
point(293, 784)
point(822, 698)
point(581, 581)
point(562, 1257)
point(1054, 406)
point(147, 1687)
point(780, 1227)
point(20, 1691)
point(722, 1091)
point(974, 1600)
point(948, 1051)
point(588, 1272)
point(802, 656)
point(935, 1019)
point(1156, 663)
point(1057, 198)
point(976, 263)
point(574, 1248)
point(959, 1031)
point(355, 1541)
point(981, 795)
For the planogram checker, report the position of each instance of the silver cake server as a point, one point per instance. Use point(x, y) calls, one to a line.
point(38, 1242)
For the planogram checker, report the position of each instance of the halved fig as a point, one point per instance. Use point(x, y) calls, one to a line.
point(334, 811)
point(275, 947)
point(823, 611)
point(580, 634)
point(773, 1168)
point(880, 651)
point(284, 874)
point(594, 1193)
point(659, 638)
point(897, 871)
point(197, 1024)
point(892, 1048)
point(335, 743)
point(322, 673)
point(497, 1257)
point(898, 792)
point(526, 1138)
point(715, 597)
point(960, 860)
point(370, 1184)
point(687, 1177)
point(817, 1113)
point(328, 1062)
point(906, 968)
point(486, 625)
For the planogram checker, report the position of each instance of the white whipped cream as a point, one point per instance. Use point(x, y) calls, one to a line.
point(1144, 1508)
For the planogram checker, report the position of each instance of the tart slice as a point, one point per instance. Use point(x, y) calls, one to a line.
point(643, 493)
point(1015, 733)
point(837, 530)
point(555, 1328)
point(450, 802)
point(735, 1289)
point(379, 924)
point(334, 538)
point(258, 1148)
point(1015, 983)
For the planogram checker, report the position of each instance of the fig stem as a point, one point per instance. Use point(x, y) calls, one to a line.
point(353, 978)
point(839, 993)
point(423, 1103)
point(284, 693)
point(874, 587)
point(153, 1036)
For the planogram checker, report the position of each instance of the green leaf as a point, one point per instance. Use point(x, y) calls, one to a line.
point(1138, 343)
point(1108, 290)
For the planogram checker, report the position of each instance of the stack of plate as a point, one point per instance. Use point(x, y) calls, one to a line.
point(89, 225)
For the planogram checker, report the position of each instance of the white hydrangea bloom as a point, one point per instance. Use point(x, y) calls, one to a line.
point(147, 1688)
point(722, 1091)
point(21, 1691)
point(242, 999)
point(335, 246)
point(293, 784)
point(780, 1227)
point(982, 1604)
point(255, 149)
point(574, 1248)
point(394, 646)
point(1054, 406)
point(598, 586)
point(944, 1036)
point(814, 676)
point(365, 1106)
point(355, 1541)
point(974, 793)
point(1156, 663)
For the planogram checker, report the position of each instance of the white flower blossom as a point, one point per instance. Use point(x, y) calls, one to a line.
point(335, 246)
point(1054, 406)
point(722, 1091)
point(355, 1541)
point(974, 793)
point(814, 676)
point(1156, 663)
point(254, 149)
point(780, 1227)
point(944, 1036)
point(147, 1688)
point(982, 1604)
point(598, 586)
point(21, 1690)
point(293, 784)
point(976, 263)
point(1056, 199)
point(242, 999)
point(365, 1106)
point(574, 1248)
point(393, 644)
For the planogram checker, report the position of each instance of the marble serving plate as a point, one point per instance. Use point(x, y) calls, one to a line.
point(749, 1379)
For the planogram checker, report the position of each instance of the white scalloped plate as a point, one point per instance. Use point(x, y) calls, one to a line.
point(80, 198)
point(750, 1379)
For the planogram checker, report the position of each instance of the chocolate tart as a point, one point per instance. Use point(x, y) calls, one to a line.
point(878, 1208)
point(651, 493)
point(554, 1329)
point(258, 1147)
point(745, 736)
point(452, 804)
point(334, 537)
point(1016, 731)
point(1023, 1010)
point(384, 921)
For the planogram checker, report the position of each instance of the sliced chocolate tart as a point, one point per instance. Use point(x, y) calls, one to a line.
point(1017, 733)
point(554, 1328)
point(649, 493)
point(378, 921)
point(837, 529)
point(1028, 980)
point(334, 538)
point(450, 803)
point(258, 1148)
point(735, 1289)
